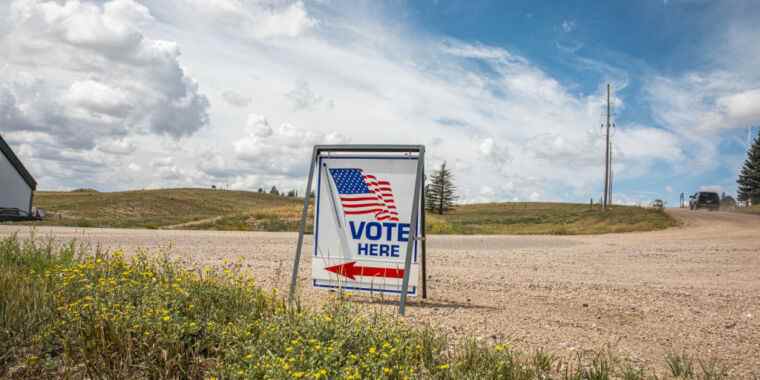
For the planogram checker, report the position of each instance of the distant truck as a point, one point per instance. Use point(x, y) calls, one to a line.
point(704, 199)
point(658, 204)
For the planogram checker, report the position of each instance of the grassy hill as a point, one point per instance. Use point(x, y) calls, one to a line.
point(169, 208)
point(249, 211)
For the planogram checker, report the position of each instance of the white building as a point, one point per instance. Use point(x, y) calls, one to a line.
point(16, 184)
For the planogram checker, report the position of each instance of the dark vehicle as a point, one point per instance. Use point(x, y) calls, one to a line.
point(11, 214)
point(16, 215)
point(704, 199)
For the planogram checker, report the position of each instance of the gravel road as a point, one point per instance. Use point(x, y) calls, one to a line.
point(694, 288)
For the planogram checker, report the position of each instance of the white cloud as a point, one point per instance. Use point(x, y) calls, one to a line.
point(284, 150)
point(744, 106)
point(303, 98)
point(258, 126)
point(89, 98)
point(236, 99)
point(162, 162)
point(477, 51)
point(84, 76)
point(295, 78)
point(714, 188)
point(120, 147)
point(291, 22)
point(95, 74)
point(697, 107)
point(638, 143)
point(568, 26)
point(250, 20)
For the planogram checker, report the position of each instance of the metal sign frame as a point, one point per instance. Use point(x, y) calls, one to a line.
point(417, 203)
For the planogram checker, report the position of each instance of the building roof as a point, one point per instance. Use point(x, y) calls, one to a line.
point(8, 153)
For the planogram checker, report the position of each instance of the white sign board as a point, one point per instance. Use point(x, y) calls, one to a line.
point(362, 223)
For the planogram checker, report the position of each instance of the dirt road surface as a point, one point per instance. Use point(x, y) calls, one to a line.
point(694, 288)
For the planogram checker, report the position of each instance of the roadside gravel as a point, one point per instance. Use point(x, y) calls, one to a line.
point(694, 288)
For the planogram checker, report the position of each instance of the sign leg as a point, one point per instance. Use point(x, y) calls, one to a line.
point(413, 236)
point(424, 238)
point(302, 229)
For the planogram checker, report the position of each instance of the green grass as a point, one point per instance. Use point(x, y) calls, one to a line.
point(247, 211)
point(749, 210)
point(546, 218)
point(69, 312)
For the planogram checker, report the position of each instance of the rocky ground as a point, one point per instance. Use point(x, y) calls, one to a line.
point(694, 288)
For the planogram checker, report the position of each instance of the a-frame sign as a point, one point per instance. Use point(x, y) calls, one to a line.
point(368, 220)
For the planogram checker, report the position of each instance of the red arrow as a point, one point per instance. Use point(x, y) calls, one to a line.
point(351, 269)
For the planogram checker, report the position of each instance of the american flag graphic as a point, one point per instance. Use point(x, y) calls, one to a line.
point(365, 194)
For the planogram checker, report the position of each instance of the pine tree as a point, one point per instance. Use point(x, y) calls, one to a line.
point(274, 191)
point(749, 178)
point(440, 193)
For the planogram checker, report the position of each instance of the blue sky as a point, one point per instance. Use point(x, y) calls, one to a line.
point(125, 94)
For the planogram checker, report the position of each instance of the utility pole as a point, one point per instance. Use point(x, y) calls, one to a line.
point(607, 184)
point(611, 175)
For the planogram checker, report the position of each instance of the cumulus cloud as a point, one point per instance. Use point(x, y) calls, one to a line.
point(258, 126)
point(83, 77)
point(291, 21)
point(10, 114)
point(303, 98)
point(283, 150)
point(91, 98)
point(265, 156)
point(95, 74)
point(236, 99)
